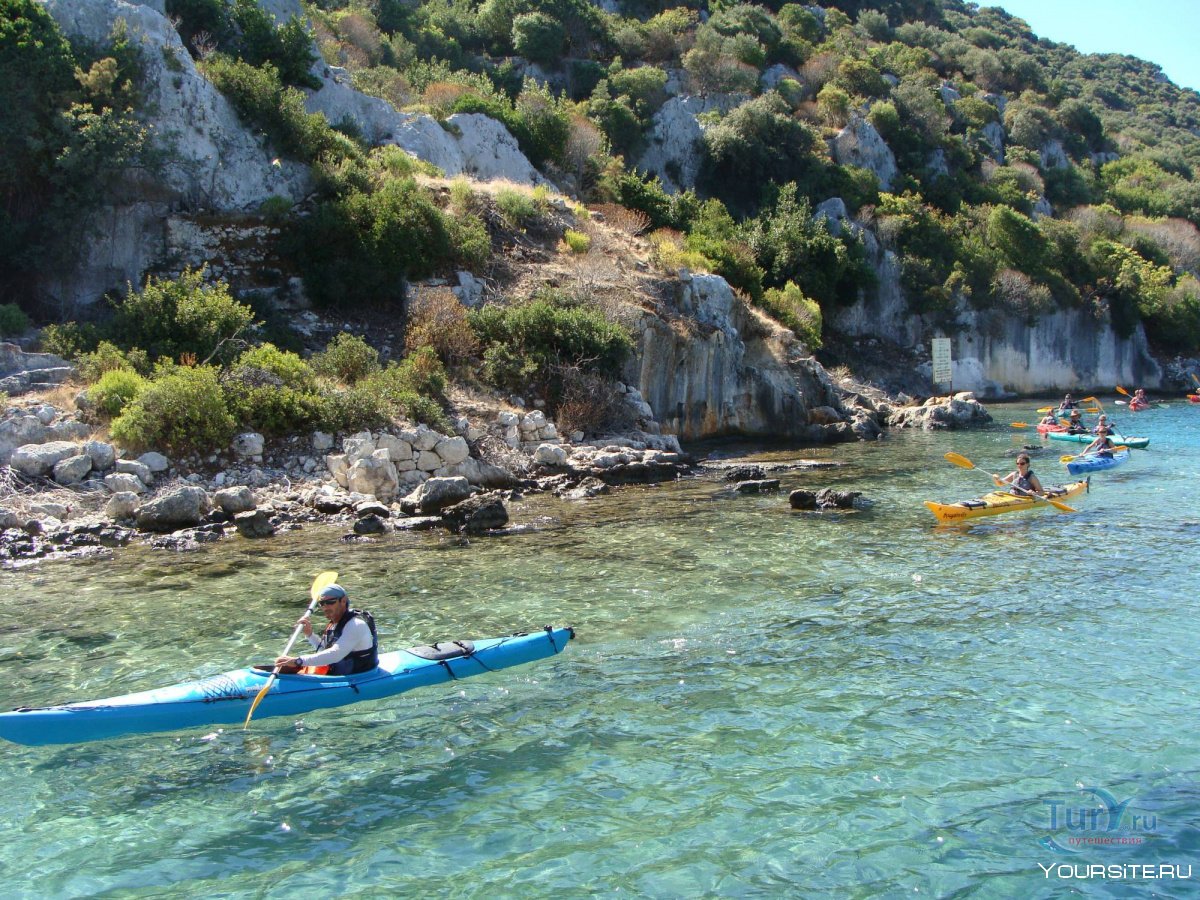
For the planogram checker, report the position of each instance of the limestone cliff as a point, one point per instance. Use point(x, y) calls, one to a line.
point(996, 353)
point(709, 366)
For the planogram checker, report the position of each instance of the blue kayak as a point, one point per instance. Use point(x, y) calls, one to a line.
point(1082, 465)
point(225, 699)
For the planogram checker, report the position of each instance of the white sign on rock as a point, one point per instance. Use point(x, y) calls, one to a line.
point(943, 369)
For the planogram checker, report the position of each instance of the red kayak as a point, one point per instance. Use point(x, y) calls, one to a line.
point(1046, 429)
point(1193, 398)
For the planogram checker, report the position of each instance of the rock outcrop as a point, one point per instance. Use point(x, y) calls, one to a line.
point(719, 368)
point(859, 144)
point(674, 153)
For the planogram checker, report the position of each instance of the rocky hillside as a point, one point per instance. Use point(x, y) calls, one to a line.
point(888, 171)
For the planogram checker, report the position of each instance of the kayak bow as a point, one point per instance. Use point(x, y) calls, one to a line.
point(224, 699)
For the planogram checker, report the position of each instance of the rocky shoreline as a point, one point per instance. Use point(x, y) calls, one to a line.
point(65, 493)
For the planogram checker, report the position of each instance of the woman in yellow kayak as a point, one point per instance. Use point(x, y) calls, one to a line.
point(1023, 481)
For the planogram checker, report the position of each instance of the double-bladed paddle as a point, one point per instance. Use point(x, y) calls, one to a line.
point(1114, 449)
point(319, 584)
point(964, 463)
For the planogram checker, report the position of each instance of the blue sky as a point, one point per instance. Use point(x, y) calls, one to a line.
point(1161, 31)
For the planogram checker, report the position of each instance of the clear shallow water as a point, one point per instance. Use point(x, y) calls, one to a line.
point(759, 702)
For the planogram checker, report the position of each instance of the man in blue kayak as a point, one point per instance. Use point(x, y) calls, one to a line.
point(348, 645)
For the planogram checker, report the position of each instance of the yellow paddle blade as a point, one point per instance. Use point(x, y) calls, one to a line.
point(1066, 459)
point(258, 698)
point(1045, 409)
point(959, 460)
point(322, 581)
point(1018, 424)
point(1089, 400)
point(1058, 505)
point(1121, 390)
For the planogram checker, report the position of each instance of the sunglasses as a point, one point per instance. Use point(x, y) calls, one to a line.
point(330, 602)
point(1025, 463)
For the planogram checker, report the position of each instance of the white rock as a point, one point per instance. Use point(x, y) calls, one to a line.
point(357, 448)
point(121, 505)
point(133, 467)
point(121, 481)
point(73, 469)
point(103, 455)
point(508, 419)
point(428, 461)
point(397, 448)
point(859, 144)
point(375, 477)
point(38, 459)
point(550, 455)
point(322, 441)
point(234, 500)
point(155, 462)
point(45, 511)
point(249, 443)
point(427, 438)
point(452, 450)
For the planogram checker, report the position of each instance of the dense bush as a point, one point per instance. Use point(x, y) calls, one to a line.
point(359, 247)
point(528, 344)
point(13, 320)
point(272, 391)
point(172, 317)
point(183, 409)
point(115, 390)
point(107, 357)
point(347, 358)
point(790, 307)
point(262, 99)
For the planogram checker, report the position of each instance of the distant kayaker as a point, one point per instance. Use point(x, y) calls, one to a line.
point(1139, 398)
point(1075, 425)
point(1106, 423)
point(1023, 481)
point(1068, 402)
point(1101, 446)
point(348, 645)
point(1050, 419)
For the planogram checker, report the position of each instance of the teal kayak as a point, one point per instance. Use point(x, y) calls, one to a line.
point(1084, 465)
point(225, 699)
point(1136, 443)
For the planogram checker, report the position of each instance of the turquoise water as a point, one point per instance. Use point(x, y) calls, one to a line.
point(759, 703)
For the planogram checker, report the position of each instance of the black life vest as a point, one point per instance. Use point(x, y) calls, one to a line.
point(1024, 481)
point(359, 660)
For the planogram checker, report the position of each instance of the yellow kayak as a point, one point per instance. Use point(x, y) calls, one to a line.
point(999, 502)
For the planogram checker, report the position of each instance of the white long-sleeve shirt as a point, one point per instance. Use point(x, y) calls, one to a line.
point(355, 636)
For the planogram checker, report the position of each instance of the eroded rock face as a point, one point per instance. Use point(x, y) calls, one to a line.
point(720, 369)
point(960, 411)
point(859, 144)
point(674, 153)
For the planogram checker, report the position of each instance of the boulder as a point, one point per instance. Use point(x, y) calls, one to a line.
point(550, 455)
point(476, 514)
point(823, 499)
point(121, 505)
point(181, 508)
point(436, 494)
point(155, 462)
point(322, 441)
point(247, 444)
point(370, 524)
point(133, 467)
point(36, 460)
point(254, 523)
point(398, 449)
point(73, 469)
point(452, 450)
point(758, 486)
point(120, 482)
point(859, 144)
point(103, 455)
point(375, 476)
point(234, 500)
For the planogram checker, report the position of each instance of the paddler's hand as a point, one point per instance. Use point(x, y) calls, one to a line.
point(282, 661)
point(306, 622)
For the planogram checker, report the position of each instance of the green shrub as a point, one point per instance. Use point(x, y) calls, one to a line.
point(289, 368)
point(538, 37)
point(172, 317)
point(358, 249)
point(517, 207)
point(182, 410)
point(799, 313)
point(115, 390)
point(262, 100)
point(577, 241)
point(347, 358)
point(108, 357)
point(69, 340)
point(13, 320)
point(358, 408)
point(471, 241)
point(529, 344)
point(271, 408)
